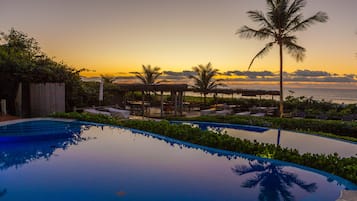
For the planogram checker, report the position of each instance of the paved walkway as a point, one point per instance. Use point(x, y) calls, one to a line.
point(8, 117)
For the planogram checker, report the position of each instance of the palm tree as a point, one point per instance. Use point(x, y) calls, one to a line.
point(149, 75)
point(204, 79)
point(274, 182)
point(108, 79)
point(283, 19)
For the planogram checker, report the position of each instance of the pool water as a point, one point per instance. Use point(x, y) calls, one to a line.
point(38, 130)
point(109, 163)
point(304, 143)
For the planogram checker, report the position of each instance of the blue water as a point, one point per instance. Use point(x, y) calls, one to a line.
point(304, 143)
point(38, 130)
point(108, 163)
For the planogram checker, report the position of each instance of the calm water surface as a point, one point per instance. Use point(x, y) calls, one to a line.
point(106, 163)
point(304, 143)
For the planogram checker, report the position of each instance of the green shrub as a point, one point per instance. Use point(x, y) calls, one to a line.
point(344, 167)
point(330, 128)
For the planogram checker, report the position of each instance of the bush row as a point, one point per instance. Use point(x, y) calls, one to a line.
point(344, 167)
point(331, 128)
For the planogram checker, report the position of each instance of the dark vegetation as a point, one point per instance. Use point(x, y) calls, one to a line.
point(344, 167)
point(304, 107)
point(22, 61)
point(331, 128)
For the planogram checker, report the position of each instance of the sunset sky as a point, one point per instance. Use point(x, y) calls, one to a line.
point(115, 36)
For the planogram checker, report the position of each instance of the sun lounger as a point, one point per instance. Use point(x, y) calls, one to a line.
point(223, 112)
point(94, 111)
point(206, 112)
point(243, 114)
point(258, 115)
point(118, 113)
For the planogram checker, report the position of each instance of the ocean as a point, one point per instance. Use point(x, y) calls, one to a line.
point(335, 92)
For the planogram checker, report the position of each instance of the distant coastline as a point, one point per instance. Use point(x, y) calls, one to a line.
point(337, 92)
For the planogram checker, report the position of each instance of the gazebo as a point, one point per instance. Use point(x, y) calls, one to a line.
point(175, 89)
point(177, 93)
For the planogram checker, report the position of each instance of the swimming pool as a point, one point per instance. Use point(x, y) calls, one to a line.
point(110, 163)
point(304, 143)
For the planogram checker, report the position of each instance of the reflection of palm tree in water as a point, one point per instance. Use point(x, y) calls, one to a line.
point(3, 192)
point(274, 182)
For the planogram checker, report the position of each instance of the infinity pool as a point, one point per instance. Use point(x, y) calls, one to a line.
point(107, 163)
point(304, 143)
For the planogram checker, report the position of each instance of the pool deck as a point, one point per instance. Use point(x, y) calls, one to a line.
point(347, 195)
point(19, 120)
point(8, 118)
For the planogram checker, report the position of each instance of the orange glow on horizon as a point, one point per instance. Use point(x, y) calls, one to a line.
point(119, 36)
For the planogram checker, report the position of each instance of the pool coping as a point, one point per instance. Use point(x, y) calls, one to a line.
point(5, 123)
point(276, 129)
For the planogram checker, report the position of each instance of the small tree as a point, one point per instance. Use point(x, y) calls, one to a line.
point(204, 79)
point(149, 75)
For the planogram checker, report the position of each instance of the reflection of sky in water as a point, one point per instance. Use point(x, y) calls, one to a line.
point(119, 165)
point(304, 143)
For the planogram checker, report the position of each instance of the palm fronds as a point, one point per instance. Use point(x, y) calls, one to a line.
point(149, 75)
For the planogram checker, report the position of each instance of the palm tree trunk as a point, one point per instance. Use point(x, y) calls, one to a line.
point(281, 109)
point(204, 99)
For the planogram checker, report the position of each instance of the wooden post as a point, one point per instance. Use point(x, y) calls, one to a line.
point(175, 96)
point(162, 104)
point(181, 102)
point(142, 103)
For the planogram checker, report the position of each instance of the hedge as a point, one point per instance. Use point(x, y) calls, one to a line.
point(333, 163)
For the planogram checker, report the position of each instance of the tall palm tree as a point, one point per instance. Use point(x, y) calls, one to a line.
point(274, 182)
point(149, 75)
point(282, 20)
point(204, 79)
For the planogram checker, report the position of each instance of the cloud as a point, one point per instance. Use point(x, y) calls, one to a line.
point(308, 73)
point(297, 76)
point(184, 73)
point(251, 74)
point(351, 76)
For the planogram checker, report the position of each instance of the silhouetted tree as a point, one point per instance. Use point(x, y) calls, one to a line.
point(21, 60)
point(282, 20)
point(108, 79)
point(149, 75)
point(204, 79)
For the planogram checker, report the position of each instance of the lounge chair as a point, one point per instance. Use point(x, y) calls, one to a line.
point(223, 112)
point(94, 111)
point(243, 113)
point(260, 114)
point(206, 112)
point(118, 112)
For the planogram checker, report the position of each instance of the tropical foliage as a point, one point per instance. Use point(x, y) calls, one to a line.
point(21, 60)
point(344, 167)
point(282, 20)
point(149, 75)
point(108, 79)
point(204, 79)
point(329, 128)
